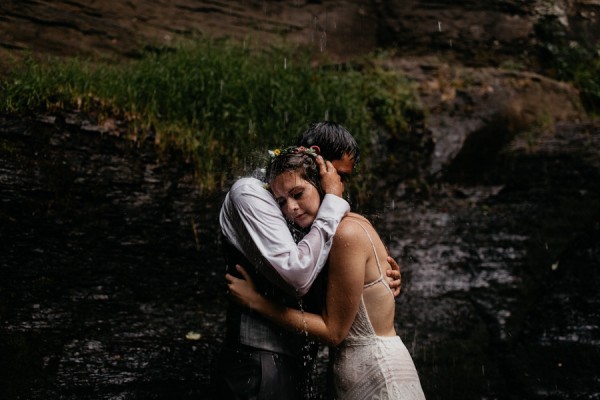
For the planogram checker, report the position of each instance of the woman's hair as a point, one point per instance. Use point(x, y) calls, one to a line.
point(296, 159)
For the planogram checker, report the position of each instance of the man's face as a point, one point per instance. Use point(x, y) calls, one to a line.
point(344, 167)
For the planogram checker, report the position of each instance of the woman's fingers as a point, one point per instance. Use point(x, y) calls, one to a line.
point(322, 165)
point(331, 183)
point(329, 167)
point(244, 273)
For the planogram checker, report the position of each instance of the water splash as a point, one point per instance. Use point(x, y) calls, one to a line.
point(309, 357)
point(323, 41)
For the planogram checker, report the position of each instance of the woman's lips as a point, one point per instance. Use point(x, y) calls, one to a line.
point(298, 217)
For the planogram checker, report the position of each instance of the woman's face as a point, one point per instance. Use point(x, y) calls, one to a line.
point(298, 199)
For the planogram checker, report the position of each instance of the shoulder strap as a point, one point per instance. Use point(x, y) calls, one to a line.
point(380, 279)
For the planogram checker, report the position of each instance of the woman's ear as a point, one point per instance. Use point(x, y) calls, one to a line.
point(317, 149)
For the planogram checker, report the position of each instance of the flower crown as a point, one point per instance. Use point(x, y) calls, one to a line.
point(313, 151)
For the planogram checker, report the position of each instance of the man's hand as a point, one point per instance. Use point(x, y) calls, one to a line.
point(395, 279)
point(330, 180)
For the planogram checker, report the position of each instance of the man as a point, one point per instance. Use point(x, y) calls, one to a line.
point(261, 360)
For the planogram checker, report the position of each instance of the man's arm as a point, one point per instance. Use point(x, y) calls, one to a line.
point(394, 277)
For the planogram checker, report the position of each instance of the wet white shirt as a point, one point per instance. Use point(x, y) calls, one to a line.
point(251, 220)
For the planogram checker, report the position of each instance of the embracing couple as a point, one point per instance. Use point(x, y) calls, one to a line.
point(302, 267)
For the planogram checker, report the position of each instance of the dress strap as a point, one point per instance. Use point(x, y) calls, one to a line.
point(380, 279)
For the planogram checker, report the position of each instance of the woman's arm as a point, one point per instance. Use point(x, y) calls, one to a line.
point(252, 221)
point(344, 289)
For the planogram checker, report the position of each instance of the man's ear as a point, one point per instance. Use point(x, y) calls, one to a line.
point(317, 149)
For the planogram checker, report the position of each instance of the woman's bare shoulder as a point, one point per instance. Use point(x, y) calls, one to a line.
point(350, 227)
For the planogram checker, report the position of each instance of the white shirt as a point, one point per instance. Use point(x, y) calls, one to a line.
point(252, 221)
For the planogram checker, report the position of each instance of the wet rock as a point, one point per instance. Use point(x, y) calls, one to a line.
point(110, 259)
point(94, 228)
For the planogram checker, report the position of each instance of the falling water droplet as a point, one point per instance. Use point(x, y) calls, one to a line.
point(284, 62)
point(304, 323)
point(414, 342)
point(439, 26)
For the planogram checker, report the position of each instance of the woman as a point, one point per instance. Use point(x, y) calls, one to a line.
point(368, 359)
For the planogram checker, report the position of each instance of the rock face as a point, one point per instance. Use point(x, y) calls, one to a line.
point(475, 113)
point(480, 33)
point(472, 32)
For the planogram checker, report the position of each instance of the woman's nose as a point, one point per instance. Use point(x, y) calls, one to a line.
point(292, 205)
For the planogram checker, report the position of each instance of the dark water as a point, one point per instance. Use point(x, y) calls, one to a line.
point(110, 256)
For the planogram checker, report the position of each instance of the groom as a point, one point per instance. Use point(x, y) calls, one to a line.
point(260, 360)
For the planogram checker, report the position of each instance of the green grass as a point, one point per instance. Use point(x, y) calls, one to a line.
point(216, 101)
point(574, 59)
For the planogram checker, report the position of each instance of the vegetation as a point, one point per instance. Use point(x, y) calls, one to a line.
point(216, 101)
point(580, 65)
point(572, 59)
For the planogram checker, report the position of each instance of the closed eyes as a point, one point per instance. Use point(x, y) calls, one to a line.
point(296, 196)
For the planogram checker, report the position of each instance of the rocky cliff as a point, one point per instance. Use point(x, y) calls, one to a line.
point(471, 32)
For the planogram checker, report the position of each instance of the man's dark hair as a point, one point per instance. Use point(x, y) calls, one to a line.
point(332, 138)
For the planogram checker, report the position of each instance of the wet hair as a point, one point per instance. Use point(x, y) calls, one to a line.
point(332, 138)
point(302, 162)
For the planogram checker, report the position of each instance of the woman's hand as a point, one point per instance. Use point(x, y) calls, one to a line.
point(242, 290)
point(330, 179)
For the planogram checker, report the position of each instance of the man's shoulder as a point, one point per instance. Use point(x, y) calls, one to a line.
point(247, 197)
point(247, 183)
point(248, 187)
point(245, 180)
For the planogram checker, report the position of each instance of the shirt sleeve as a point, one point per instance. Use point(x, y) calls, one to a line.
point(297, 264)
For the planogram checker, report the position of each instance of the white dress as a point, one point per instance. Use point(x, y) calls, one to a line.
point(367, 366)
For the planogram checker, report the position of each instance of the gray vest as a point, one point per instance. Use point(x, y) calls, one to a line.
point(251, 329)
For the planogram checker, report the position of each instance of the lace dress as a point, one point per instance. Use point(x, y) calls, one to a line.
point(367, 366)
